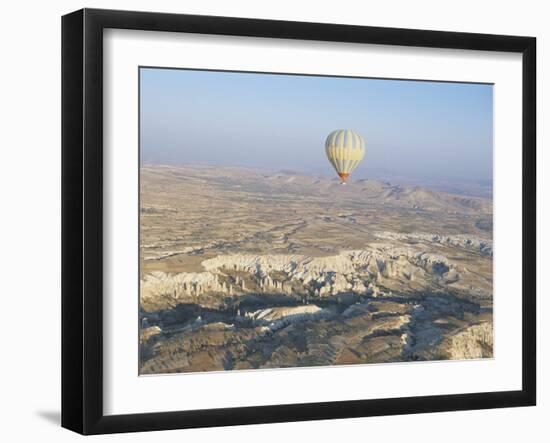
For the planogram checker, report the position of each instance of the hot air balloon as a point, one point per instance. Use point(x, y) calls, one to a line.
point(345, 149)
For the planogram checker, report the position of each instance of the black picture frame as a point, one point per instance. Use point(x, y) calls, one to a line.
point(82, 220)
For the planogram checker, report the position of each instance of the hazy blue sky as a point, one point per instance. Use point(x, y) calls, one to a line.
point(418, 130)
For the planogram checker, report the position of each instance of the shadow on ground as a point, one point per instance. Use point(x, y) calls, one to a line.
point(53, 417)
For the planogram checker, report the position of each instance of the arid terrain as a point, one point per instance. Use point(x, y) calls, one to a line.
point(244, 269)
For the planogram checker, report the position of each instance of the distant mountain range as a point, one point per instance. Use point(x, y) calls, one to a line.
point(372, 191)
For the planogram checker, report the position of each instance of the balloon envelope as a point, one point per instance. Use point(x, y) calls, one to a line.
point(345, 149)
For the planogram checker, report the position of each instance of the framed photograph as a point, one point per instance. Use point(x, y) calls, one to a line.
point(269, 221)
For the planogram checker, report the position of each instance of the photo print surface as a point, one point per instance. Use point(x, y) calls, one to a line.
point(299, 220)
